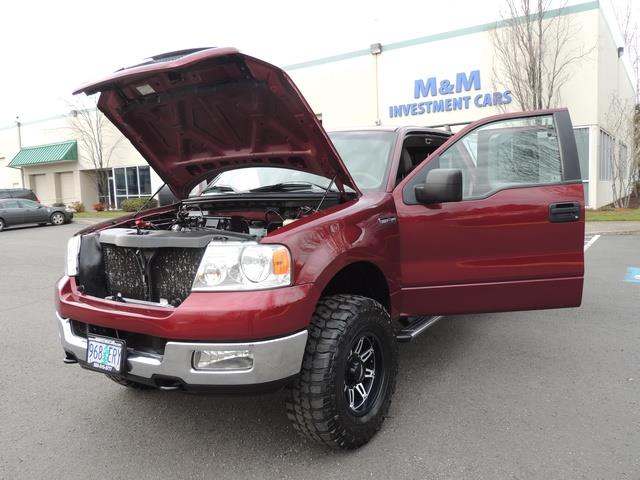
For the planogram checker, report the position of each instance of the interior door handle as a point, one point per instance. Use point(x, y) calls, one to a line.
point(564, 212)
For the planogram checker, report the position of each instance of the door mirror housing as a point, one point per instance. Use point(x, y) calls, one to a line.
point(441, 185)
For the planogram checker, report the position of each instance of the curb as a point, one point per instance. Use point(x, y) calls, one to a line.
point(613, 232)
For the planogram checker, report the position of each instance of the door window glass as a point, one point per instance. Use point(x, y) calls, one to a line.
point(9, 204)
point(522, 151)
point(28, 204)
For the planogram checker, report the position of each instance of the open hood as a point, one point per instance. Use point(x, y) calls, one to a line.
point(196, 113)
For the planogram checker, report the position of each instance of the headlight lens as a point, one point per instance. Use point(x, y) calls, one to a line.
point(243, 266)
point(73, 251)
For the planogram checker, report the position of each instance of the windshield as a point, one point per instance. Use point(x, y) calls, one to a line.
point(365, 153)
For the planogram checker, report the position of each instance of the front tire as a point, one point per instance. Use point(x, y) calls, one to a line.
point(2, 224)
point(57, 218)
point(348, 373)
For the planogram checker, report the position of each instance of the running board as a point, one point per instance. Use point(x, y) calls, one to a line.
point(415, 328)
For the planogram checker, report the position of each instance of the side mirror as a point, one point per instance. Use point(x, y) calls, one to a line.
point(442, 185)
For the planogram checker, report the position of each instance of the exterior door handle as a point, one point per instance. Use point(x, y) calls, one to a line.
point(564, 212)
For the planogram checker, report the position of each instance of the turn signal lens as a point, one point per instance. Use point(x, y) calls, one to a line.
point(281, 262)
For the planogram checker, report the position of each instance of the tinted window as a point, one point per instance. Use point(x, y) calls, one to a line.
point(4, 194)
point(28, 204)
point(9, 204)
point(23, 193)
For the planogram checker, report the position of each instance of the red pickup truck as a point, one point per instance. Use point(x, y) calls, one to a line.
point(310, 255)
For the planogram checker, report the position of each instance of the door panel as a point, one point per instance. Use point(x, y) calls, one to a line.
point(498, 249)
point(33, 212)
point(11, 212)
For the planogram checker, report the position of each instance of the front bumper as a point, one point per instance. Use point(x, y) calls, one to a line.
point(274, 360)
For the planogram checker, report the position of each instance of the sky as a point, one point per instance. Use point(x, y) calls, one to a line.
point(49, 48)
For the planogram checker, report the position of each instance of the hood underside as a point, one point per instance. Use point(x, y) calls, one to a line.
point(195, 114)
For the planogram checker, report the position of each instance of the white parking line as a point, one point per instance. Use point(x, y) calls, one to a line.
point(593, 240)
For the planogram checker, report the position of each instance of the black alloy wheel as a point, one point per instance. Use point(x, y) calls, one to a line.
point(344, 389)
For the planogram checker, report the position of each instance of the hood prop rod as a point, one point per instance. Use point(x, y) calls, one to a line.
point(326, 192)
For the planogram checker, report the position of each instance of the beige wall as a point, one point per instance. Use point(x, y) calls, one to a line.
point(344, 92)
point(50, 186)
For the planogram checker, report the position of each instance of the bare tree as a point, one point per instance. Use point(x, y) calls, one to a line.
point(534, 52)
point(91, 128)
point(620, 120)
point(630, 30)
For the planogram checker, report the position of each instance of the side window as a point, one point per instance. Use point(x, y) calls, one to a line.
point(9, 204)
point(507, 153)
point(502, 154)
point(27, 204)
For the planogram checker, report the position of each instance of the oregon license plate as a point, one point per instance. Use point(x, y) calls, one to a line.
point(105, 354)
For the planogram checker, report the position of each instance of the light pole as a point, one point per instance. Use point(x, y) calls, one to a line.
point(18, 124)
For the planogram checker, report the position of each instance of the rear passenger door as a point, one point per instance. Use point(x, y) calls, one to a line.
point(10, 212)
point(515, 241)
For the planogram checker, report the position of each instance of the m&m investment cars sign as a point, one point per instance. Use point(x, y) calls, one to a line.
point(448, 95)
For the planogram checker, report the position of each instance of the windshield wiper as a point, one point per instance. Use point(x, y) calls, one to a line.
point(218, 188)
point(287, 187)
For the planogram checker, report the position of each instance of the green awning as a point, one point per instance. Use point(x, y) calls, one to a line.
point(43, 154)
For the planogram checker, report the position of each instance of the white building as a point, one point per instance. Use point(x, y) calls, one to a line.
point(443, 78)
point(400, 83)
point(46, 156)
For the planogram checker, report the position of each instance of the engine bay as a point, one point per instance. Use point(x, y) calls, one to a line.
point(237, 218)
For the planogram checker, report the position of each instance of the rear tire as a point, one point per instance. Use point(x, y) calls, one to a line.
point(344, 389)
point(129, 384)
point(2, 225)
point(57, 218)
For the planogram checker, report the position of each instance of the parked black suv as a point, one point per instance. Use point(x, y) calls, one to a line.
point(18, 193)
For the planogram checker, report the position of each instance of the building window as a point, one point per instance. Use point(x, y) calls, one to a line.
point(582, 144)
point(605, 160)
point(129, 182)
point(624, 166)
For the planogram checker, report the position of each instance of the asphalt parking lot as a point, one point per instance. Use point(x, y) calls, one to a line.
point(544, 395)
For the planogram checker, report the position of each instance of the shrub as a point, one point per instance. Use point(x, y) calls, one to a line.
point(77, 206)
point(58, 204)
point(135, 204)
point(99, 207)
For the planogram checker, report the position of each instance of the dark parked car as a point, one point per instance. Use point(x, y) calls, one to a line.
point(18, 193)
point(309, 256)
point(18, 211)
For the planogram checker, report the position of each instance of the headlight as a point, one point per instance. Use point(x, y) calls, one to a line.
point(243, 266)
point(73, 250)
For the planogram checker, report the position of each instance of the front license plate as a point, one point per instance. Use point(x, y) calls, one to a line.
point(105, 354)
